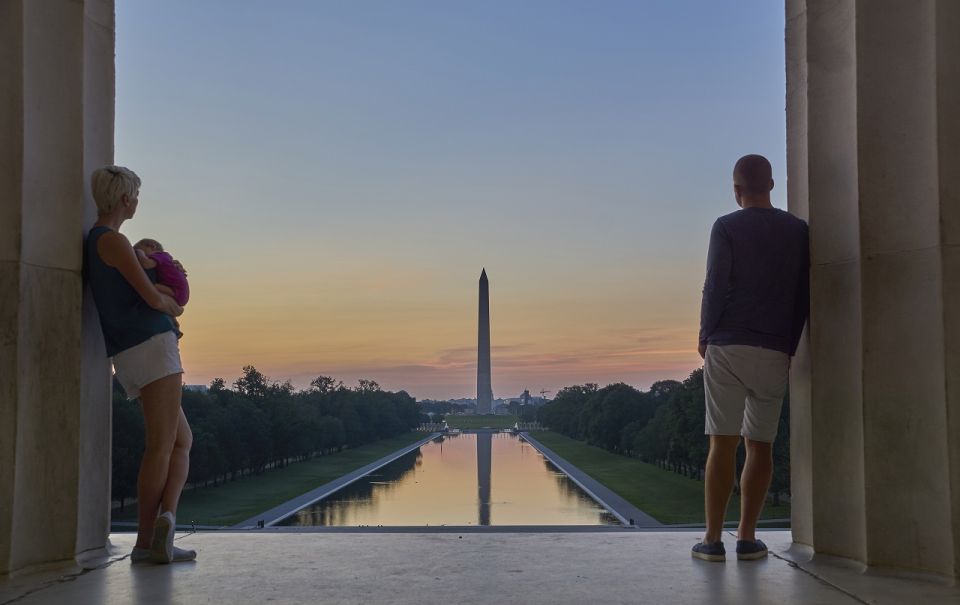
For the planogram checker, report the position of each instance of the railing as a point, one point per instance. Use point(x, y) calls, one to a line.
point(430, 427)
point(530, 426)
point(434, 427)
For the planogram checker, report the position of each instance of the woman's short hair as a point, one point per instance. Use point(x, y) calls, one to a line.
point(110, 184)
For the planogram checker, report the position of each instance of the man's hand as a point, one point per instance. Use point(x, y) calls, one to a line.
point(702, 349)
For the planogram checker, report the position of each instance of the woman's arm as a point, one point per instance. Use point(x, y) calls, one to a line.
point(116, 251)
point(145, 261)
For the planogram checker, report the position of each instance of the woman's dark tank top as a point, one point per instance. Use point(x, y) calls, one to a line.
point(125, 318)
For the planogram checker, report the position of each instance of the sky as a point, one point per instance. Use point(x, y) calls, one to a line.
point(335, 176)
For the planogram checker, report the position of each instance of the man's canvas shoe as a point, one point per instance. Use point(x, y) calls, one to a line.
point(749, 550)
point(161, 547)
point(709, 552)
point(140, 555)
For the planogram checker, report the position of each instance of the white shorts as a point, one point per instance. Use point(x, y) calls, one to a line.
point(152, 359)
point(744, 388)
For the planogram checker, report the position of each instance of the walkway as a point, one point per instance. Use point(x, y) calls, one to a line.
point(615, 504)
point(471, 568)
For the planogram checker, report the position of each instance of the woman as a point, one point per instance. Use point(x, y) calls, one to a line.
point(139, 334)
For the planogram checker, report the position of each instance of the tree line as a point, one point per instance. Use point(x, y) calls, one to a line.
point(260, 423)
point(662, 426)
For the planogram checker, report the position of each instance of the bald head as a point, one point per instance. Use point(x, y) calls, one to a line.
point(753, 175)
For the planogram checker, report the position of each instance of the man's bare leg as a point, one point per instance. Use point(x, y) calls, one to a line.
point(754, 485)
point(718, 482)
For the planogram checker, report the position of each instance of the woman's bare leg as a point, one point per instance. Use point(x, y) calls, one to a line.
point(179, 467)
point(161, 417)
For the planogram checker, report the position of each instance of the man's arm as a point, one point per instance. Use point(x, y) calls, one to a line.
point(716, 286)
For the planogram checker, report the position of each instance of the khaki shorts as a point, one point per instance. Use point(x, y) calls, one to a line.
point(152, 359)
point(744, 388)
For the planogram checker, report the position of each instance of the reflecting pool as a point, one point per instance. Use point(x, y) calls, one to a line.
point(466, 479)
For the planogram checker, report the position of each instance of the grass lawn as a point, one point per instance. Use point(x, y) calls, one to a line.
point(481, 422)
point(665, 495)
point(234, 501)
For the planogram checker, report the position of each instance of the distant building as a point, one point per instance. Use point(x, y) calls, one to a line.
point(526, 398)
point(199, 388)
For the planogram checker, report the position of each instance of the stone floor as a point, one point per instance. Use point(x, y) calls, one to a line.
point(629, 566)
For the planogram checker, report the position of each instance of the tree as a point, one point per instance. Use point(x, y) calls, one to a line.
point(280, 389)
point(565, 413)
point(528, 413)
point(217, 385)
point(608, 411)
point(663, 425)
point(780, 482)
point(207, 460)
point(367, 386)
point(252, 383)
point(330, 434)
point(325, 384)
point(127, 447)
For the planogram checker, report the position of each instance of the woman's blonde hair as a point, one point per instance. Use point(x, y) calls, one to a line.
point(110, 184)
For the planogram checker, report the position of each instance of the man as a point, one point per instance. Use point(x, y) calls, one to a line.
point(755, 303)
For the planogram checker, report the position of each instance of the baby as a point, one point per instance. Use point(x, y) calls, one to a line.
point(169, 278)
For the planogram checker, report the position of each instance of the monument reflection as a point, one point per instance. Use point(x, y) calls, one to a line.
point(484, 462)
point(467, 479)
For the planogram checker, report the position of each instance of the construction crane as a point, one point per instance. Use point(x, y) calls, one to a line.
point(543, 394)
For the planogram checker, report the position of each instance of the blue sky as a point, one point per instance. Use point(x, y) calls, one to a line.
point(336, 174)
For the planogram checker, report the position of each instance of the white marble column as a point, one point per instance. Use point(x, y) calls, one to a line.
point(56, 124)
point(872, 164)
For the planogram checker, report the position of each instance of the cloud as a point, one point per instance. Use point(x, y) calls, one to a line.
point(638, 357)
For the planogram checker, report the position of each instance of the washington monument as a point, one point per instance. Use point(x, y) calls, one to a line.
point(484, 390)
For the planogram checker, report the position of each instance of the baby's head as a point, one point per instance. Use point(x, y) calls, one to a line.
point(148, 246)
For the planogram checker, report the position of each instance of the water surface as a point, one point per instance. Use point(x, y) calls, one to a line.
point(467, 479)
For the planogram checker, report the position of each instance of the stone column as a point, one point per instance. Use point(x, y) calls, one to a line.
point(871, 134)
point(948, 138)
point(56, 124)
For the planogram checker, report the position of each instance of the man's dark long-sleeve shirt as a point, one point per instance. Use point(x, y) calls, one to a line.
point(757, 290)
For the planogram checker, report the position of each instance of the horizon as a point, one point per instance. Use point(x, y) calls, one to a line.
point(333, 178)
